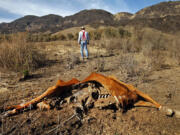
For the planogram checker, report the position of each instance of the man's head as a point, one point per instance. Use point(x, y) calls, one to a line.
point(82, 28)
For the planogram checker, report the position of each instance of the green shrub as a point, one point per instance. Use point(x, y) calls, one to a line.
point(26, 73)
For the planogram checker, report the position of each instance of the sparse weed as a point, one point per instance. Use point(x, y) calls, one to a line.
point(95, 35)
point(129, 63)
point(72, 60)
point(110, 33)
point(70, 36)
point(124, 33)
point(18, 55)
point(76, 36)
point(61, 37)
point(100, 65)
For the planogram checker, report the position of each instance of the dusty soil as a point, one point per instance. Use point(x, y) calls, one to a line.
point(162, 85)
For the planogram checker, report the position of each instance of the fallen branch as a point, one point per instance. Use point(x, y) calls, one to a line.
point(19, 125)
point(58, 126)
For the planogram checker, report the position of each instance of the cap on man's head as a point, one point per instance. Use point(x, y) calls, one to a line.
point(83, 28)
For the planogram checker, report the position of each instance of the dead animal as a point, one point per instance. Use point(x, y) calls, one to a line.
point(123, 94)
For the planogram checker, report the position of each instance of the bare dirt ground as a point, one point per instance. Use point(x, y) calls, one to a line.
point(162, 85)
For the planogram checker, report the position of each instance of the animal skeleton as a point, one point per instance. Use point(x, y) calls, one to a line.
point(124, 94)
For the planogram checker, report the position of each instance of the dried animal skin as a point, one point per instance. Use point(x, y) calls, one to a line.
point(123, 94)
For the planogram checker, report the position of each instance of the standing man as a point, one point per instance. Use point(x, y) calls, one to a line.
point(83, 40)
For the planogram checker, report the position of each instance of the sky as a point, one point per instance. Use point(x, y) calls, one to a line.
point(14, 9)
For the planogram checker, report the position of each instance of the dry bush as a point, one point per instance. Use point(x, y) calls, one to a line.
point(132, 66)
point(97, 65)
point(95, 35)
point(128, 63)
point(156, 58)
point(100, 65)
point(70, 36)
point(157, 46)
point(53, 38)
point(18, 55)
point(123, 33)
point(72, 60)
point(160, 48)
point(76, 36)
point(110, 33)
point(114, 46)
point(174, 50)
point(111, 46)
point(61, 37)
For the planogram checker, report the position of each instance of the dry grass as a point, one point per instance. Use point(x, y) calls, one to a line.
point(72, 60)
point(138, 55)
point(158, 50)
point(18, 55)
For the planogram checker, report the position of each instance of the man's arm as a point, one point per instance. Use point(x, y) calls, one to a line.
point(87, 37)
point(79, 38)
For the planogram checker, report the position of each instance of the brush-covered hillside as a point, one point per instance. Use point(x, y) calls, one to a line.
point(164, 16)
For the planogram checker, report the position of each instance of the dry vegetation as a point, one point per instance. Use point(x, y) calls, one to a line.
point(131, 54)
point(19, 55)
point(138, 51)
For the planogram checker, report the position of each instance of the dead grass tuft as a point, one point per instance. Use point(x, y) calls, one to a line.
point(19, 55)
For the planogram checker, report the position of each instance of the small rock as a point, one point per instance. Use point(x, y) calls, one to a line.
point(169, 112)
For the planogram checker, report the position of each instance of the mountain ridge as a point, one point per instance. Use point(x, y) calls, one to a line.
point(159, 16)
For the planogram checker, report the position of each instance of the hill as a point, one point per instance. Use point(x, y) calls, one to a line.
point(164, 16)
point(122, 16)
point(160, 10)
point(167, 24)
point(54, 23)
point(85, 17)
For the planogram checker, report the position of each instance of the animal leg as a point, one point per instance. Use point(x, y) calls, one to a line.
point(56, 90)
point(144, 104)
point(148, 98)
point(141, 94)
